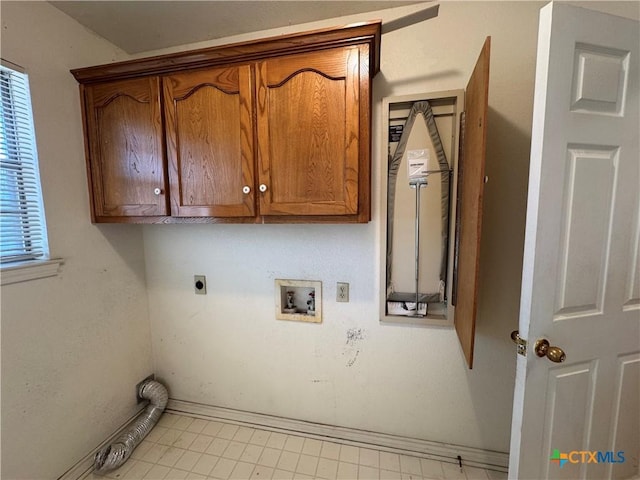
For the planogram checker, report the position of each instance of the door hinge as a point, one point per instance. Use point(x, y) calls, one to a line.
point(521, 343)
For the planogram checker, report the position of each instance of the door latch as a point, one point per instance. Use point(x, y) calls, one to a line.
point(521, 343)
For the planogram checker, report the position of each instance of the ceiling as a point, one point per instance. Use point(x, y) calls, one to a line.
point(145, 25)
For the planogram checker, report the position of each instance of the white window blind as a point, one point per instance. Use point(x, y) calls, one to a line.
point(22, 225)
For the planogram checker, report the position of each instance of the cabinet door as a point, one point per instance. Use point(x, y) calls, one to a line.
point(210, 142)
point(309, 133)
point(124, 132)
point(470, 195)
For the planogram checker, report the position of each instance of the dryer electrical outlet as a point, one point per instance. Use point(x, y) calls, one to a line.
point(200, 284)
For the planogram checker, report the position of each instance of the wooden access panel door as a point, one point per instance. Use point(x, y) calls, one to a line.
point(309, 133)
point(124, 140)
point(470, 192)
point(210, 142)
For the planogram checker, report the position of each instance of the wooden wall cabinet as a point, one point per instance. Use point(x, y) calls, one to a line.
point(275, 130)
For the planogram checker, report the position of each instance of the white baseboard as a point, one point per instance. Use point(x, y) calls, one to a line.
point(472, 457)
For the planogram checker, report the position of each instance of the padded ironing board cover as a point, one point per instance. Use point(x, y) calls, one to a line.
point(424, 108)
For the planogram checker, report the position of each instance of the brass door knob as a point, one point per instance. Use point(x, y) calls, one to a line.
point(544, 349)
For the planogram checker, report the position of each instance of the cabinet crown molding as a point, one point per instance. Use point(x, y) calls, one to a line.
point(244, 52)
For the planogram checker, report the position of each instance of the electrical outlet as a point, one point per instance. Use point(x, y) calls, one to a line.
point(200, 284)
point(342, 292)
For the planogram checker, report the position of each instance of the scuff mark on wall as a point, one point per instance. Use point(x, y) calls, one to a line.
point(353, 360)
point(354, 336)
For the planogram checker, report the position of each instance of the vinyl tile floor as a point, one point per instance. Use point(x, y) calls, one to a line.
point(184, 447)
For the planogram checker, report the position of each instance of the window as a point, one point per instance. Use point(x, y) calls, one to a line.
point(23, 235)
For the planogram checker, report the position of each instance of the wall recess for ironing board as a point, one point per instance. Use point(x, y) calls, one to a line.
point(431, 237)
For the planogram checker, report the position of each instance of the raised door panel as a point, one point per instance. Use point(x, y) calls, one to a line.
point(210, 142)
point(470, 192)
point(125, 148)
point(309, 133)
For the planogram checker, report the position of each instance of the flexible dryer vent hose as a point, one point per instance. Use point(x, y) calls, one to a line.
point(114, 455)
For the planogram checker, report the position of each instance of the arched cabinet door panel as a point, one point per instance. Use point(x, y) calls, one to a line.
point(309, 132)
point(210, 142)
point(125, 148)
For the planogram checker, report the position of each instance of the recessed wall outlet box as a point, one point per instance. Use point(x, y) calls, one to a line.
point(299, 300)
point(200, 284)
point(342, 292)
point(139, 399)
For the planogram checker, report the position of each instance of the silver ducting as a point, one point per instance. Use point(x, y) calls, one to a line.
point(114, 455)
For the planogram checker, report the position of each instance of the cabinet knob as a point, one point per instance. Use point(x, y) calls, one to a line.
point(157, 191)
point(263, 187)
point(246, 189)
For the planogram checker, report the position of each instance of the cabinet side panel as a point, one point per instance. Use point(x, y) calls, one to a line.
point(84, 105)
point(364, 138)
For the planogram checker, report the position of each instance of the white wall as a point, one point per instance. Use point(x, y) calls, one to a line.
point(227, 349)
point(73, 346)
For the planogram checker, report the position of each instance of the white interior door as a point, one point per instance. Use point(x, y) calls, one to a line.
point(581, 273)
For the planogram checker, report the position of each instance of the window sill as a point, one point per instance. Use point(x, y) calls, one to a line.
point(25, 271)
